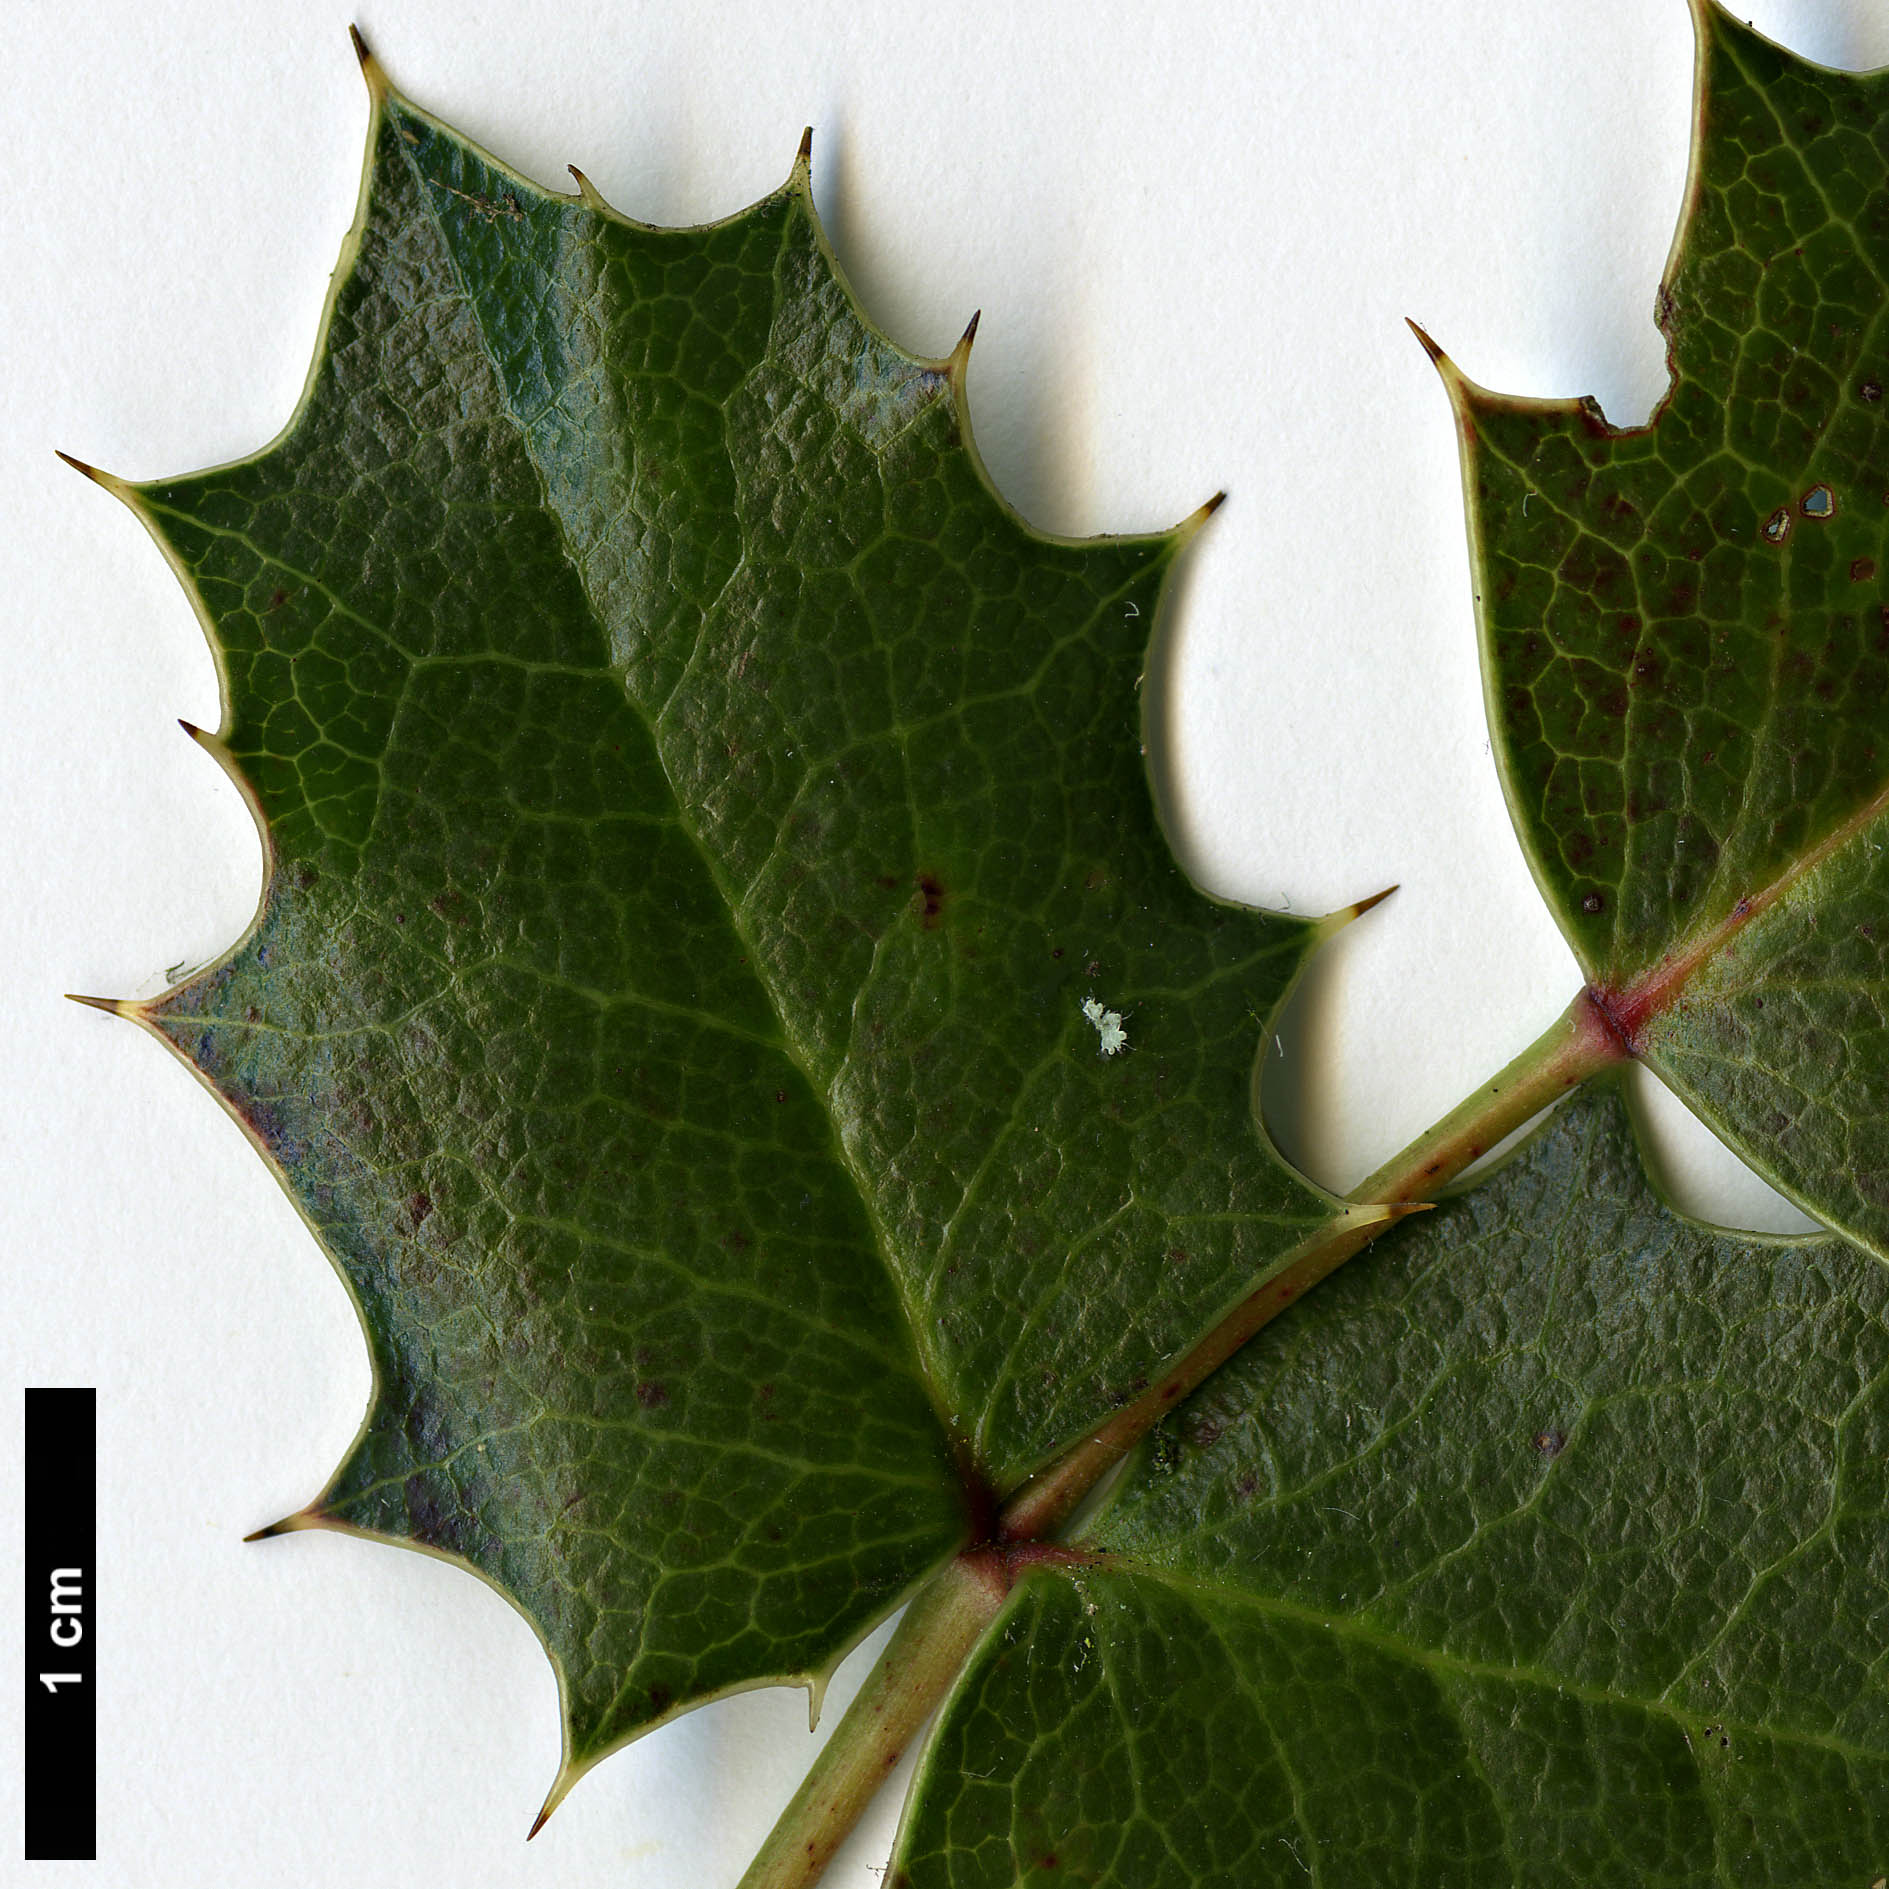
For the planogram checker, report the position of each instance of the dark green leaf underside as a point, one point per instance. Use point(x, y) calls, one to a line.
point(1544, 1546)
point(1686, 634)
point(698, 813)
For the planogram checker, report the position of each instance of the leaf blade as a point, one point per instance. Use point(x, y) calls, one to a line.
point(574, 1125)
point(1463, 1565)
point(1684, 638)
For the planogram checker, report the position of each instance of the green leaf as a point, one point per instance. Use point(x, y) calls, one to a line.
point(1543, 1546)
point(1686, 638)
point(710, 856)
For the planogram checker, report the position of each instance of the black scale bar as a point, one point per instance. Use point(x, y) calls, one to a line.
point(61, 1703)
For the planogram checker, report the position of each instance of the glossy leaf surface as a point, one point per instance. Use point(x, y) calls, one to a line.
point(1686, 638)
point(1544, 1545)
point(698, 815)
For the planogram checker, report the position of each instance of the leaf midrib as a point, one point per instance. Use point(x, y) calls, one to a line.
point(1201, 1595)
point(1643, 997)
point(1641, 1003)
point(930, 1372)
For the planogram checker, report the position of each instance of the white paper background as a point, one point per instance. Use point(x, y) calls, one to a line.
point(1194, 233)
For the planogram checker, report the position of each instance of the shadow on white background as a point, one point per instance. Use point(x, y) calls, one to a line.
point(1194, 235)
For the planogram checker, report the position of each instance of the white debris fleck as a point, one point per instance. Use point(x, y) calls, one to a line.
point(1108, 1026)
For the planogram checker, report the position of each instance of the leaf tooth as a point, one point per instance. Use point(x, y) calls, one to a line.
point(800, 177)
point(569, 1771)
point(290, 1525)
point(1463, 391)
point(588, 193)
point(372, 70)
point(960, 356)
point(1185, 530)
point(1334, 922)
point(116, 486)
point(1430, 348)
point(115, 1006)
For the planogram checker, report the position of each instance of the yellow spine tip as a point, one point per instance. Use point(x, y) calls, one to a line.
point(112, 1006)
point(371, 68)
point(288, 1525)
point(588, 194)
point(960, 356)
point(110, 481)
point(1376, 898)
point(1184, 532)
point(1429, 347)
point(568, 1774)
point(1451, 375)
point(803, 158)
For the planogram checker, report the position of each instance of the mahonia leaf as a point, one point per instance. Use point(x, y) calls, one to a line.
point(1546, 1546)
point(721, 995)
point(1686, 639)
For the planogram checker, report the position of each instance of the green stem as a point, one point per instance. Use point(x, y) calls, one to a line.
point(1577, 1045)
point(1580, 1043)
point(946, 1620)
point(920, 1660)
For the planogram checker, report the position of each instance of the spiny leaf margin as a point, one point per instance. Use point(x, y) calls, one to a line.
point(1685, 637)
point(889, 1507)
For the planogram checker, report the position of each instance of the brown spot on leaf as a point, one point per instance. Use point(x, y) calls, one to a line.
point(651, 1395)
point(932, 899)
point(1862, 570)
point(1550, 1443)
point(1594, 902)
